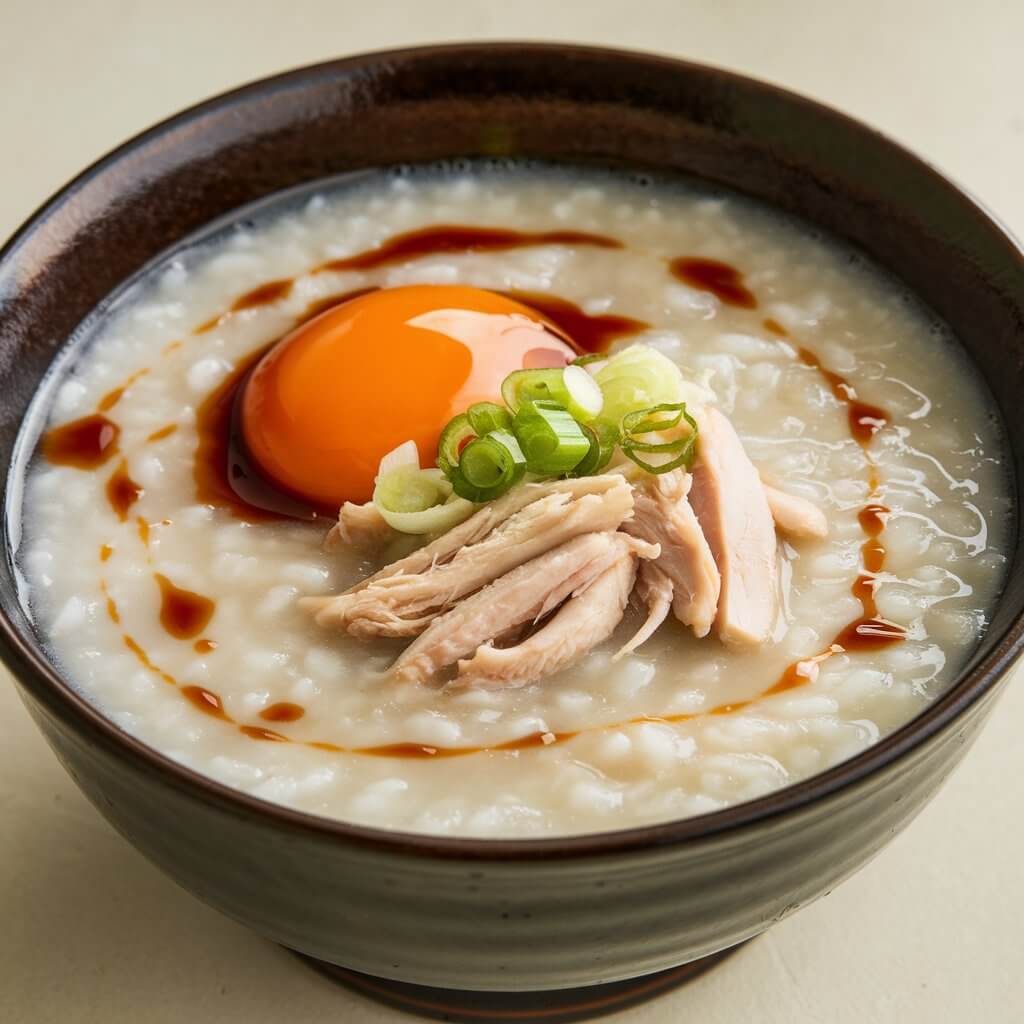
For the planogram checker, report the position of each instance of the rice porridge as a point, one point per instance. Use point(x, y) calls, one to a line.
point(181, 616)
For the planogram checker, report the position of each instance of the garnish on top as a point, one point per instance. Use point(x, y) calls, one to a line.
point(553, 422)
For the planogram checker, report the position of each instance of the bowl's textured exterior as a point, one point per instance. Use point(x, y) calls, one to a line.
point(530, 914)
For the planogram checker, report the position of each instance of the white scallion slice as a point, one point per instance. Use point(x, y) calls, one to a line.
point(413, 500)
point(406, 454)
point(637, 378)
point(585, 397)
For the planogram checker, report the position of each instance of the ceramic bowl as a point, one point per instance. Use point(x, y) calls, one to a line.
point(545, 928)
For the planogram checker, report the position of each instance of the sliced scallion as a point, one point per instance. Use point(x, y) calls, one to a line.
point(638, 377)
point(418, 501)
point(643, 421)
point(454, 438)
point(531, 385)
point(488, 467)
point(485, 417)
point(654, 420)
point(603, 438)
point(630, 451)
point(572, 388)
point(583, 395)
point(552, 441)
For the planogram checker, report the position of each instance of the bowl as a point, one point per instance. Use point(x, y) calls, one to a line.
point(552, 928)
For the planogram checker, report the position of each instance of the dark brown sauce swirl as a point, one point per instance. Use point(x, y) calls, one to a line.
point(585, 332)
point(723, 280)
point(206, 701)
point(183, 613)
point(225, 476)
point(284, 711)
point(159, 435)
point(869, 632)
point(460, 238)
point(865, 420)
point(111, 398)
point(263, 295)
point(85, 443)
point(122, 491)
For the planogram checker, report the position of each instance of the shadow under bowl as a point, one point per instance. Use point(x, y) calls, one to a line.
point(516, 915)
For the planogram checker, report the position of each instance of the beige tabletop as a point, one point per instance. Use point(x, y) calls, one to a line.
point(930, 931)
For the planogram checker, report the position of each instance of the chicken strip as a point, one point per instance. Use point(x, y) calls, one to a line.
point(404, 605)
point(358, 526)
point(587, 619)
point(481, 523)
point(796, 516)
point(662, 515)
point(526, 594)
point(654, 588)
point(730, 503)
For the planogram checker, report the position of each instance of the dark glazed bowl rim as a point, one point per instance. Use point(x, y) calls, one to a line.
point(47, 686)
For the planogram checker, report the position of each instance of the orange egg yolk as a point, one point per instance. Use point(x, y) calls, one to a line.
point(332, 398)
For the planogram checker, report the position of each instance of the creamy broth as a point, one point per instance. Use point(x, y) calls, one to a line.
point(171, 601)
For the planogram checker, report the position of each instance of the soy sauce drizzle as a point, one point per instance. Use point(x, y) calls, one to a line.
point(217, 472)
point(183, 613)
point(111, 398)
point(225, 475)
point(115, 615)
point(159, 435)
point(586, 332)
point(207, 702)
point(285, 711)
point(85, 443)
point(723, 280)
point(869, 632)
point(865, 420)
point(459, 238)
point(257, 732)
point(264, 295)
point(122, 491)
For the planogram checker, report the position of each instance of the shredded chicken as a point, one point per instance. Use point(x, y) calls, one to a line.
point(404, 604)
point(481, 523)
point(654, 589)
point(796, 516)
point(730, 503)
point(534, 580)
point(662, 515)
point(526, 594)
point(358, 526)
point(586, 619)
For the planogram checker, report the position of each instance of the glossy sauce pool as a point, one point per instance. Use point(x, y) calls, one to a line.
point(178, 615)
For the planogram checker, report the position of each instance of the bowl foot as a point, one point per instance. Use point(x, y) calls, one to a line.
point(552, 1007)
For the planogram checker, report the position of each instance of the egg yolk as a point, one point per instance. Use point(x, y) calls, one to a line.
point(332, 398)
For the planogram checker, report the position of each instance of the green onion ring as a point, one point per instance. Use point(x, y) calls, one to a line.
point(603, 438)
point(453, 438)
point(485, 417)
point(553, 442)
point(489, 467)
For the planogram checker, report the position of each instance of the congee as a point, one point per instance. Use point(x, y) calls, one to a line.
point(512, 501)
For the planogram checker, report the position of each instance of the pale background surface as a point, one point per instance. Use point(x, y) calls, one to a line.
point(90, 932)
